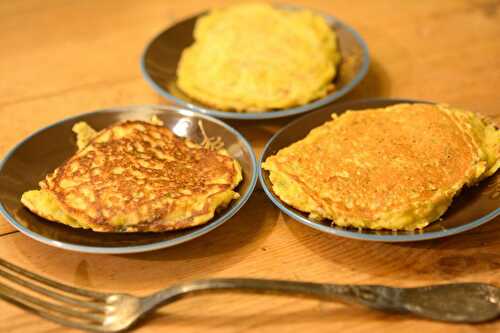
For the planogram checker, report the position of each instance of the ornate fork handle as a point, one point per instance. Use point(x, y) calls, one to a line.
point(458, 302)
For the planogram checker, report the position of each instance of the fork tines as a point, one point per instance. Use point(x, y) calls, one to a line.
point(66, 305)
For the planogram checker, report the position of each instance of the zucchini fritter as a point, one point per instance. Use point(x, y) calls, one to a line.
point(393, 168)
point(136, 176)
point(255, 58)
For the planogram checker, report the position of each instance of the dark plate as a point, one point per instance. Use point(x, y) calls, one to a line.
point(160, 58)
point(473, 207)
point(39, 154)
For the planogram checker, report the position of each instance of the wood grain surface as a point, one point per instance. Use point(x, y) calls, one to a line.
point(61, 57)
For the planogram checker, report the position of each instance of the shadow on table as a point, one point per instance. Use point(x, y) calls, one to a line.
point(239, 235)
point(458, 256)
point(376, 84)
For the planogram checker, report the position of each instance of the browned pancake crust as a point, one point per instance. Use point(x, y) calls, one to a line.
point(141, 171)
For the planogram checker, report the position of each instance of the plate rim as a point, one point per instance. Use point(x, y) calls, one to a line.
point(354, 234)
point(134, 248)
point(288, 112)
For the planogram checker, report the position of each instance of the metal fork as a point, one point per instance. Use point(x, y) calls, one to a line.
point(103, 312)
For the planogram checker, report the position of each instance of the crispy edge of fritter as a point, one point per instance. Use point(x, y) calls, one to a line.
point(484, 134)
point(45, 204)
point(84, 134)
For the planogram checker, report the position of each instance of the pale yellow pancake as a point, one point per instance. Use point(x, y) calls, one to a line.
point(395, 168)
point(254, 58)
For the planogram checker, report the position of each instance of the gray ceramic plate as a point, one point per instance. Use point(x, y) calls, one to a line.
point(160, 58)
point(473, 207)
point(32, 159)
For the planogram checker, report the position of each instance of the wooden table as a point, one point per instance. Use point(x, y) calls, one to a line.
point(60, 58)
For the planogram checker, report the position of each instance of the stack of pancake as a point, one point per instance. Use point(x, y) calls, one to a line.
point(394, 168)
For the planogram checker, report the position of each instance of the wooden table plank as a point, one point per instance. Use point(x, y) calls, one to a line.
point(68, 57)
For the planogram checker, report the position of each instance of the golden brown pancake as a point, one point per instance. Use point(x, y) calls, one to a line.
point(393, 168)
point(254, 58)
point(136, 176)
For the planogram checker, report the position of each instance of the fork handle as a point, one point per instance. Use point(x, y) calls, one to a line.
point(374, 296)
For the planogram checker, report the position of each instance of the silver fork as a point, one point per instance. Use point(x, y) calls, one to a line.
point(104, 312)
